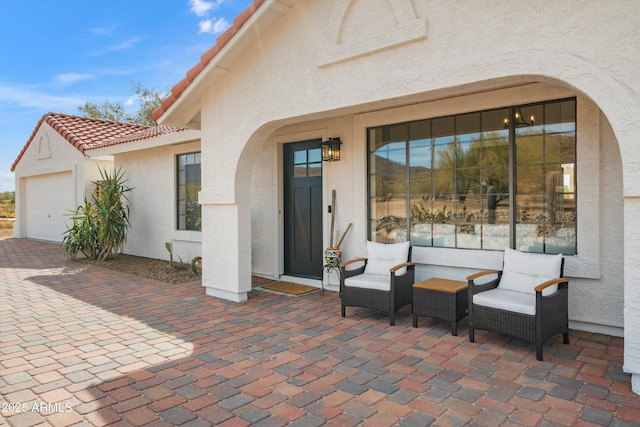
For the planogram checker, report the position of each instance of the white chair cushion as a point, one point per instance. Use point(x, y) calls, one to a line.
point(519, 302)
point(383, 257)
point(369, 281)
point(522, 272)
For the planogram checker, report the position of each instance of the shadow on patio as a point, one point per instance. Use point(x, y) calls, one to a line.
point(126, 350)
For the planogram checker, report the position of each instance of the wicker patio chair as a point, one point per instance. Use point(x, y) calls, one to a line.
point(528, 299)
point(384, 280)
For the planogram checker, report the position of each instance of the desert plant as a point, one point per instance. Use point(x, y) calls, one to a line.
point(101, 224)
point(195, 262)
point(82, 236)
point(113, 213)
point(172, 265)
point(169, 247)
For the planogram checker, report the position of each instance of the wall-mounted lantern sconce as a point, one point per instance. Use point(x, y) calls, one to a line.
point(331, 150)
point(519, 120)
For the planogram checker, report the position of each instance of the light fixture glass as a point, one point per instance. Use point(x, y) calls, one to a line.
point(331, 150)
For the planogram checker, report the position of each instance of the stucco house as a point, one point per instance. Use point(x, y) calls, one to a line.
point(56, 168)
point(465, 127)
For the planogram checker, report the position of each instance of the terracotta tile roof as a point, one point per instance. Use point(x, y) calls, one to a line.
point(149, 132)
point(86, 133)
point(221, 41)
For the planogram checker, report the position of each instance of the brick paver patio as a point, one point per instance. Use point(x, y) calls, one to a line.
point(82, 345)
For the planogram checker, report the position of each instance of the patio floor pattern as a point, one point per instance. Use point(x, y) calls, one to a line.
point(84, 345)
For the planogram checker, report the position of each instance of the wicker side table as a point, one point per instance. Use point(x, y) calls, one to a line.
point(441, 299)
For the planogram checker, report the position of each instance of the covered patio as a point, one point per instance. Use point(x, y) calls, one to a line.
point(86, 344)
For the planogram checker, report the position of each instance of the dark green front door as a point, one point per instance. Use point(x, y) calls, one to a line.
point(303, 208)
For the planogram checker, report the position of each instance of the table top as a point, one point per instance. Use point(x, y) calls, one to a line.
point(443, 285)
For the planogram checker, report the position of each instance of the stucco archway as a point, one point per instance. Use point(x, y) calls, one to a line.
point(613, 98)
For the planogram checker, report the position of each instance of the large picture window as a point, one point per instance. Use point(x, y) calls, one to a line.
point(482, 180)
point(189, 211)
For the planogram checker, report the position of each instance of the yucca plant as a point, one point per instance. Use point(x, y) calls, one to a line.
point(101, 224)
point(82, 236)
point(110, 200)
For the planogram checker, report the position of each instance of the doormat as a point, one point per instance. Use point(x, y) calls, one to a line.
point(289, 288)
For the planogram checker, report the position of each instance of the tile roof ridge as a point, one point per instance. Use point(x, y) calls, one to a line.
point(59, 126)
point(97, 119)
point(206, 58)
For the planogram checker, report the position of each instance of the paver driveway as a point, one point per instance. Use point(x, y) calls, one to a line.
point(86, 345)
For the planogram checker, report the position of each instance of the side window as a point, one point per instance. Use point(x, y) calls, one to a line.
point(188, 185)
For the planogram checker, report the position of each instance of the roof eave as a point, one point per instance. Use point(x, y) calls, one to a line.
point(182, 108)
point(173, 138)
point(24, 148)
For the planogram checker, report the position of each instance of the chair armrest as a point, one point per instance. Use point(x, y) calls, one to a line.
point(344, 273)
point(352, 261)
point(551, 282)
point(403, 283)
point(482, 273)
point(476, 288)
point(399, 266)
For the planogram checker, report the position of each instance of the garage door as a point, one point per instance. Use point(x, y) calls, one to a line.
point(48, 200)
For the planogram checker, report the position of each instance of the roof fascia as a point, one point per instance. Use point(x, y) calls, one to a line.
point(26, 145)
point(185, 110)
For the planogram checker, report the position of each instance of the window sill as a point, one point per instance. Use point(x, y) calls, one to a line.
point(187, 236)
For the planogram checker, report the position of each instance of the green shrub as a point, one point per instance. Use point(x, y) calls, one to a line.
point(82, 236)
point(100, 225)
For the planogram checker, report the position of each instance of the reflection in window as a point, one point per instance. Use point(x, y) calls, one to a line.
point(189, 184)
point(307, 163)
point(446, 182)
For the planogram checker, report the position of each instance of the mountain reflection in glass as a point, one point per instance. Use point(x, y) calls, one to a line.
point(445, 182)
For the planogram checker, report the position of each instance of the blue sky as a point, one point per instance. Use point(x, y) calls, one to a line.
point(55, 55)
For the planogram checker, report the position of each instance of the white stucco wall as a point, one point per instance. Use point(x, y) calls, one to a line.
point(265, 212)
point(598, 304)
point(153, 212)
point(92, 168)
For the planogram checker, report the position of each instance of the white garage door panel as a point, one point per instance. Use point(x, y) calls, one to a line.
point(48, 200)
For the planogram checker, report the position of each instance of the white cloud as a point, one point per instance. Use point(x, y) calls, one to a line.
point(205, 26)
point(202, 7)
point(28, 97)
point(129, 102)
point(208, 24)
point(67, 79)
point(104, 31)
point(213, 27)
point(221, 25)
point(125, 45)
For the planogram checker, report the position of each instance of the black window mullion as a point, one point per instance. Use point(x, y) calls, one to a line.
point(512, 178)
point(407, 175)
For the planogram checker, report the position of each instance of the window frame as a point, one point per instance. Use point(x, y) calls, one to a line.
point(512, 129)
point(179, 200)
